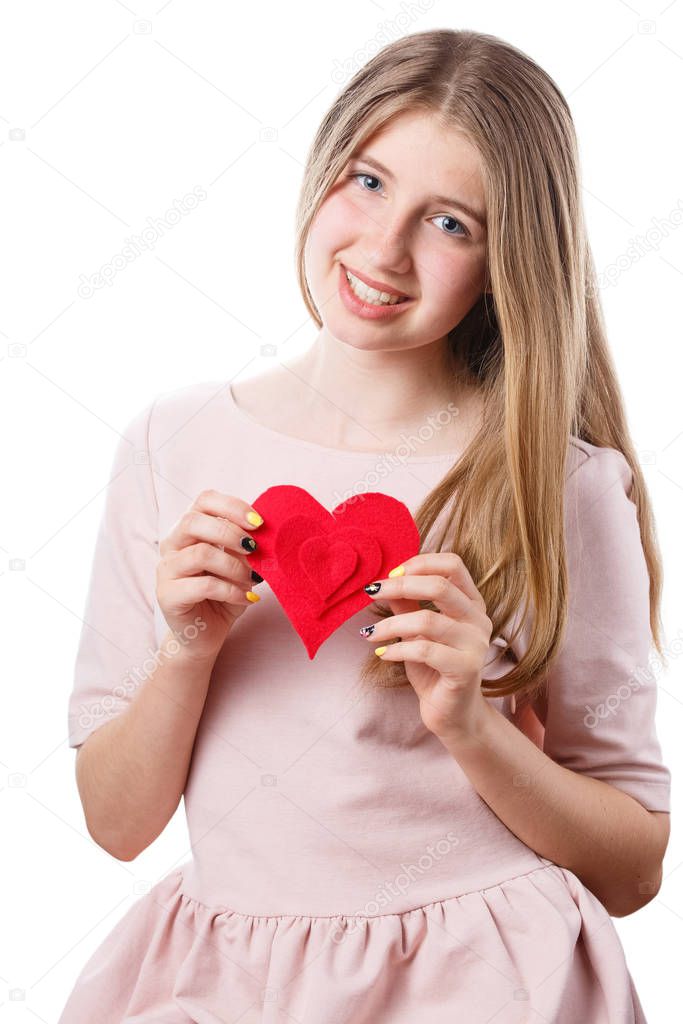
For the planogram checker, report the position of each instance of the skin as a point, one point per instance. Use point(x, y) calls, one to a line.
point(362, 383)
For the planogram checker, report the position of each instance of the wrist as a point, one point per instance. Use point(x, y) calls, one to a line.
point(181, 650)
point(475, 732)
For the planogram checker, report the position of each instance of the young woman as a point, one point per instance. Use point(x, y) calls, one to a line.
point(441, 826)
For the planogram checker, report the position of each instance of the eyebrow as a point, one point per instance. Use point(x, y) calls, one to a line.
point(457, 203)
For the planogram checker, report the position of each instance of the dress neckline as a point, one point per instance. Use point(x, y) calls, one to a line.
point(344, 453)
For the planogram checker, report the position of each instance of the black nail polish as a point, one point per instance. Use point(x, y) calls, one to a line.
point(366, 630)
point(372, 588)
point(248, 543)
point(255, 576)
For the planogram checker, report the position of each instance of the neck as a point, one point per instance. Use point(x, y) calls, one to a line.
point(380, 392)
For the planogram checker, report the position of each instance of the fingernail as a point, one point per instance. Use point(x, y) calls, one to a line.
point(254, 518)
point(366, 630)
point(251, 596)
point(255, 576)
point(398, 571)
point(248, 543)
point(380, 650)
point(371, 588)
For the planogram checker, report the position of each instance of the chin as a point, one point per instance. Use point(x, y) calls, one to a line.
point(358, 337)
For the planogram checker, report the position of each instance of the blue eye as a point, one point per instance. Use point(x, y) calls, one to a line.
point(447, 216)
point(362, 174)
point(444, 216)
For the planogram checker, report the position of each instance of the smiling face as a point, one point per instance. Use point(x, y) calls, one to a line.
point(389, 227)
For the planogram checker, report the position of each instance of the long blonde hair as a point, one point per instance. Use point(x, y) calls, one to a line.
point(536, 348)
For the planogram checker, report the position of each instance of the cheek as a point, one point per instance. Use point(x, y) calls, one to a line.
point(336, 228)
point(452, 279)
point(332, 225)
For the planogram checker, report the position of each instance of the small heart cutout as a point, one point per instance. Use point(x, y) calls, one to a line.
point(327, 563)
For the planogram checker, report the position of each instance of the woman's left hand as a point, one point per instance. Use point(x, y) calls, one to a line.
point(445, 651)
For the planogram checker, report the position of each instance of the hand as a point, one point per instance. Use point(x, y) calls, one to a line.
point(444, 652)
point(203, 577)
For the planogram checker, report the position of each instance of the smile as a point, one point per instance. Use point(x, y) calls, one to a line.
point(370, 303)
point(372, 295)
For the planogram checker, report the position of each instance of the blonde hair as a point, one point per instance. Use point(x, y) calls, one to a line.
point(538, 351)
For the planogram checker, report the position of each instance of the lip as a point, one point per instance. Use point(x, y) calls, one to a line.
point(365, 309)
point(377, 284)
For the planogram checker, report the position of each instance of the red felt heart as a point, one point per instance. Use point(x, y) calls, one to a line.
point(317, 562)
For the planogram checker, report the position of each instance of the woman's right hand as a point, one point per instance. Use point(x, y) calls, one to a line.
point(203, 572)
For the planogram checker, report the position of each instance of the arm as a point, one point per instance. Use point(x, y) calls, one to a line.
point(604, 836)
point(563, 799)
point(131, 772)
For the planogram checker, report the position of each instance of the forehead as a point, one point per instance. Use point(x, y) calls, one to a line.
point(418, 149)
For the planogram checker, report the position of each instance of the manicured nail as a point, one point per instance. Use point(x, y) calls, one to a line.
point(366, 630)
point(254, 518)
point(248, 543)
point(251, 596)
point(380, 650)
point(255, 576)
point(371, 588)
point(398, 571)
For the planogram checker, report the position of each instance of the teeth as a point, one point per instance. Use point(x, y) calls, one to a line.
point(371, 294)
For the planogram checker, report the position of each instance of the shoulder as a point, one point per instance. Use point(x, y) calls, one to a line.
point(599, 509)
point(168, 411)
point(592, 469)
point(178, 401)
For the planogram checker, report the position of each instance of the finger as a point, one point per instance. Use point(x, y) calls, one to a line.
point(399, 605)
point(192, 590)
point(439, 590)
point(444, 563)
point(206, 558)
point(228, 507)
point(447, 661)
point(195, 526)
point(430, 625)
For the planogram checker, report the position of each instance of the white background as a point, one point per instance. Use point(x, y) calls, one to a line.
point(108, 113)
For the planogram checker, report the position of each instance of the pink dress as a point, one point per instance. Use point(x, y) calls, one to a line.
point(344, 870)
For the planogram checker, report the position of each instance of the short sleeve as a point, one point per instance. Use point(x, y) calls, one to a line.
point(117, 637)
point(602, 692)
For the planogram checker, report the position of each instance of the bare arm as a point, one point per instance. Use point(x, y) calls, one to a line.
point(131, 772)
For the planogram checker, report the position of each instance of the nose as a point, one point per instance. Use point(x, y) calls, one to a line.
point(387, 250)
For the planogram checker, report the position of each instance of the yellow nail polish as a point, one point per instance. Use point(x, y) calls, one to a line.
point(251, 596)
point(254, 518)
point(398, 571)
point(380, 650)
